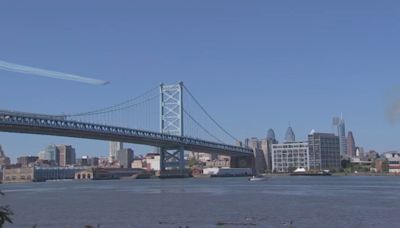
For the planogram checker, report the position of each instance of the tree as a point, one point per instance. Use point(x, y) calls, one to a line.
point(5, 214)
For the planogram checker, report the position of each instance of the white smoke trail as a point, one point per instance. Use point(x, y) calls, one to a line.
point(48, 73)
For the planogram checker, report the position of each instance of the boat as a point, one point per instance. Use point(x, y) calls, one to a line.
point(303, 172)
point(257, 178)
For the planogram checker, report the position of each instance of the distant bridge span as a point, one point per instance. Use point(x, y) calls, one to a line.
point(42, 124)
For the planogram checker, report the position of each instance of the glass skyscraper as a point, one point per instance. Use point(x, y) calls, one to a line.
point(290, 136)
point(341, 128)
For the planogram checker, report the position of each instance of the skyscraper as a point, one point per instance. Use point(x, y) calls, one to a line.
point(260, 161)
point(114, 147)
point(51, 154)
point(125, 157)
point(67, 155)
point(266, 146)
point(4, 160)
point(271, 135)
point(351, 145)
point(341, 128)
point(290, 136)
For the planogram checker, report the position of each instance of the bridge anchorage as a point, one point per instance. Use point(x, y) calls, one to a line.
point(184, 125)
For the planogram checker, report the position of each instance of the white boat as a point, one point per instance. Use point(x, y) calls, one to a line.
point(257, 178)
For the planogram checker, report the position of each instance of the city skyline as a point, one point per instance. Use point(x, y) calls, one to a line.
point(113, 147)
point(298, 48)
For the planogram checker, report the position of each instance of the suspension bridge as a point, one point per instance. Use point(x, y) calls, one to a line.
point(168, 117)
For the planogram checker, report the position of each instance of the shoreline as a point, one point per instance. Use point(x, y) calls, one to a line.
point(339, 174)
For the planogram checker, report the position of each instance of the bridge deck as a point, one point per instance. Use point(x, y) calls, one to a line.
point(55, 125)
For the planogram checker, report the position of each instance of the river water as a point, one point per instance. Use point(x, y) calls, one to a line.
point(215, 202)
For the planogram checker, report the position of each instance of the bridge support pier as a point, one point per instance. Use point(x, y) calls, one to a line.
point(172, 162)
point(243, 162)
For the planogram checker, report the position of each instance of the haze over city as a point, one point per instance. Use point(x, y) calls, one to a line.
point(254, 67)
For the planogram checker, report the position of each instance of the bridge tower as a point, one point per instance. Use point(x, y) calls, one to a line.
point(171, 122)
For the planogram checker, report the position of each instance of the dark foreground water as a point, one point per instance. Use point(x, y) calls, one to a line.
point(217, 202)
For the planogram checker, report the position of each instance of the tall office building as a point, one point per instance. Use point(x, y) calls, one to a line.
point(324, 151)
point(266, 146)
point(271, 135)
point(256, 145)
point(4, 160)
point(351, 145)
point(125, 157)
point(290, 136)
point(67, 155)
point(50, 153)
point(114, 147)
point(341, 128)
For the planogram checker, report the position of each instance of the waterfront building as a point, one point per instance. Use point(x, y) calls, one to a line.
point(114, 147)
point(260, 161)
point(228, 172)
point(50, 153)
point(18, 175)
point(137, 164)
point(4, 160)
point(67, 155)
point(84, 175)
point(55, 173)
point(351, 145)
point(152, 161)
point(360, 161)
point(125, 157)
point(203, 157)
point(220, 163)
point(30, 174)
point(381, 165)
point(109, 173)
point(288, 156)
point(393, 158)
point(324, 151)
point(26, 161)
point(290, 136)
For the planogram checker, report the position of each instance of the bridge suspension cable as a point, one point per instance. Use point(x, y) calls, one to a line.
point(115, 107)
point(140, 112)
point(201, 126)
point(209, 115)
point(143, 112)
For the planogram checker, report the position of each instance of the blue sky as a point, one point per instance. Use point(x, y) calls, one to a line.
point(254, 65)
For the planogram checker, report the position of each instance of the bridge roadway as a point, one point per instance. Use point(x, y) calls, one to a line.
point(30, 123)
